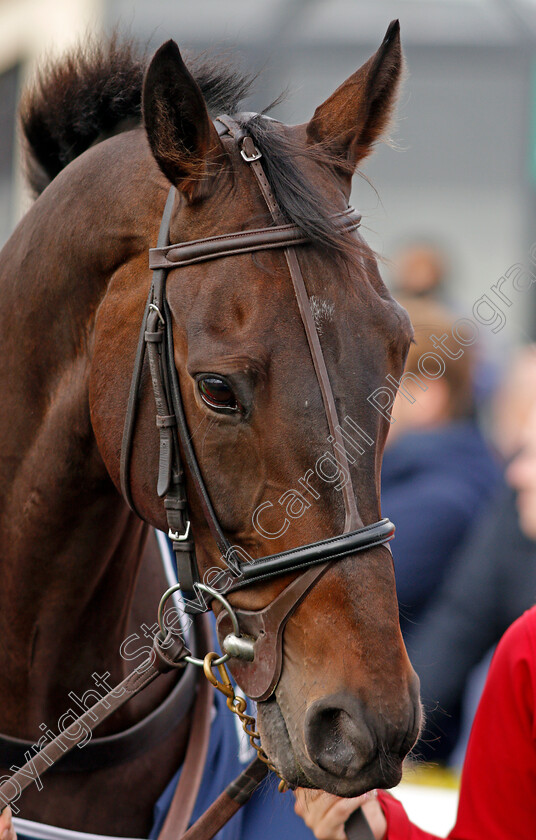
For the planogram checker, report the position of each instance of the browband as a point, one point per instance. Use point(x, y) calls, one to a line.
point(279, 236)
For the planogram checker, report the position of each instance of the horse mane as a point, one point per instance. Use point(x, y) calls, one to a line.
point(95, 91)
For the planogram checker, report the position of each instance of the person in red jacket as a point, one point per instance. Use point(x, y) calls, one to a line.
point(498, 785)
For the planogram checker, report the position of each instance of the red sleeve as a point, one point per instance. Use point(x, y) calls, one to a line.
point(498, 786)
point(399, 826)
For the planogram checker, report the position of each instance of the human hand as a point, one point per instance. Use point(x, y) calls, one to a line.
point(326, 814)
point(7, 832)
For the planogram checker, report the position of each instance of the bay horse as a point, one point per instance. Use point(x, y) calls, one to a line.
point(106, 139)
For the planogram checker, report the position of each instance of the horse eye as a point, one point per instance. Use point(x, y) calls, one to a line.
point(217, 393)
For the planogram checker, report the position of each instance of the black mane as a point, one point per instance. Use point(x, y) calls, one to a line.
point(95, 91)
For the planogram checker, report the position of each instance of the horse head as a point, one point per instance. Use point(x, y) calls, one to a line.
point(344, 711)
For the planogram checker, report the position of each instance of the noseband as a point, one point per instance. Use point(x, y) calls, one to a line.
point(261, 633)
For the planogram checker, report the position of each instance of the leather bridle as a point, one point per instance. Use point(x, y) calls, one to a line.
point(252, 640)
point(259, 677)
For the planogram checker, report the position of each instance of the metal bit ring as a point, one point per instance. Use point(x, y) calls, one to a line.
point(214, 594)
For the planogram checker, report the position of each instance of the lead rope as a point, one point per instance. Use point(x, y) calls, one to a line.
point(168, 654)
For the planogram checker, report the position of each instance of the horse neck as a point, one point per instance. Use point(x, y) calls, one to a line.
point(70, 547)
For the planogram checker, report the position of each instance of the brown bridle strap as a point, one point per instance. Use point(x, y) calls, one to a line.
point(243, 242)
point(183, 801)
point(252, 157)
point(135, 382)
point(239, 792)
point(229, 802)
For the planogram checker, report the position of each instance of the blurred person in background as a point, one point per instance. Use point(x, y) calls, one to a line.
point(513, 403)
point(438, 471)
point(420, 269)
point(491, 582)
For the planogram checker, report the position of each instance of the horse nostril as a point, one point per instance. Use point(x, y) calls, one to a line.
point(337, 737)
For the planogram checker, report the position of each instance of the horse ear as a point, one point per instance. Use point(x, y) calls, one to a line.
point(181, 135)
point(355, 116)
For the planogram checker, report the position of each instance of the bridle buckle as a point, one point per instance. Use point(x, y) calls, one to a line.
point(176, 537)
point(155, 308)
point(250, 153)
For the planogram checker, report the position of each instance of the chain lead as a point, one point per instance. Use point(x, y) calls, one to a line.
point(238, 706)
